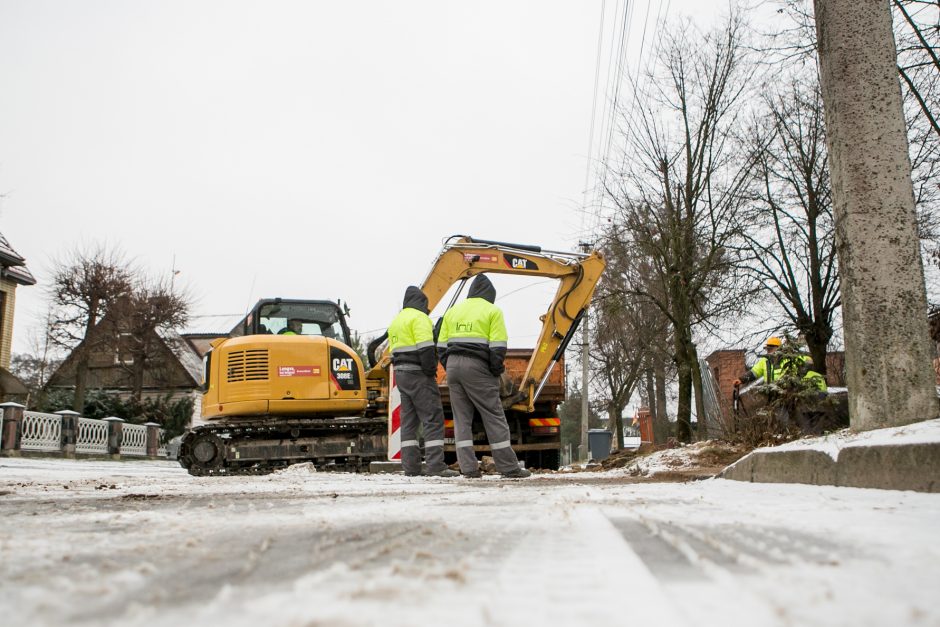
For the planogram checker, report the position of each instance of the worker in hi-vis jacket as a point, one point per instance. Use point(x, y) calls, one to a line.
point(411, 342)
point(472, 345)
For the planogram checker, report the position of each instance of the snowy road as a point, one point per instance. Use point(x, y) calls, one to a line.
point(142, 543)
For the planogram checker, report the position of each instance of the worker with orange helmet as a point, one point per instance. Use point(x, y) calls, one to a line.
point(771, 369)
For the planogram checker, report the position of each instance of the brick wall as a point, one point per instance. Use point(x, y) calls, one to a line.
point(645, 424)
point(726, 365)
point(6, 330)
point(835, 369)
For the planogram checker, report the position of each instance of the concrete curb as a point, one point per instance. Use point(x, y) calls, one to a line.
point(889, 467)
point(391, 466)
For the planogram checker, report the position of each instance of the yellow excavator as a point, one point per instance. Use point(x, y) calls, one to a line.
point(285, 386)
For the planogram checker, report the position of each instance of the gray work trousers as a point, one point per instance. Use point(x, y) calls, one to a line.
point(472, 386)
point(420, 404)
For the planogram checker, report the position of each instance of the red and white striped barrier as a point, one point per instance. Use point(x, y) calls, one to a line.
point(394, 417)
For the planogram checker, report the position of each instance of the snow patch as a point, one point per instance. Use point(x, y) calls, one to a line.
point(924, 432)
point(305, 468)
point(667, 460)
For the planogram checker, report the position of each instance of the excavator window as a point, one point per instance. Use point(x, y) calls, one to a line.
point(299, 318)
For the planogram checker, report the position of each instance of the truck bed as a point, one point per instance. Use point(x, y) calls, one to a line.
point(517, 359)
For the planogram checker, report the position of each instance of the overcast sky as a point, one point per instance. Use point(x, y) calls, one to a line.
point(302, 149)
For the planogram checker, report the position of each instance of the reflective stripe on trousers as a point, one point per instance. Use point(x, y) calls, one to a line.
point(473, 387)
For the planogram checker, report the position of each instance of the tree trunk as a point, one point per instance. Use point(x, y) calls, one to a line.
point(81, 381)
point(887, 353)
point(137, 383)
point(85, 348)
point(697, 391)
point(615, 422)
point(818, 351)
point(662, 416)
point(619, 426)
point(684, 407)
point(651, 395)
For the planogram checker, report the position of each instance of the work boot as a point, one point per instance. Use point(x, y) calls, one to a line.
point(412, 474)
point(518, 473)
point(473, 474)
point(446, 472)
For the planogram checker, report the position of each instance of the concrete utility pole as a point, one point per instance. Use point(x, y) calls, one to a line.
point(884, 305)
point(585, 357)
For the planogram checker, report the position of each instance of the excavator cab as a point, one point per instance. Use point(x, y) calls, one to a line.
point(285, 358)
point(278, 316)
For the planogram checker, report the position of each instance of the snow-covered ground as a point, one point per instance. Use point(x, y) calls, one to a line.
point(142, 543)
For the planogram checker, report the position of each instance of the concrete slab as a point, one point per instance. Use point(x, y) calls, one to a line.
point(387, 467)
point(884, 461)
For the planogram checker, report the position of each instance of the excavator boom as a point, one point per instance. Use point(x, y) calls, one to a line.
point(464, 257)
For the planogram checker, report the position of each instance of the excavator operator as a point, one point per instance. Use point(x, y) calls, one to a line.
point(294, 327)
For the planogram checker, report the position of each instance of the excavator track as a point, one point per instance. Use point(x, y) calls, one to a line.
point(265, 444)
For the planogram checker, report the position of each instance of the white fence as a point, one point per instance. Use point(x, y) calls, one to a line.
point(41, 432)
point(134, 441)
point(92, 436)
point(62, 433)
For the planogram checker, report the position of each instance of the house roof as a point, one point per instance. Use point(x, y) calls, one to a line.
point(14, 266)
point(214, 325)
point(9, 384)
point(184, 352)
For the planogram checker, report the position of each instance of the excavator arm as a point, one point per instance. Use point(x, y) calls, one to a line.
point(464, 257)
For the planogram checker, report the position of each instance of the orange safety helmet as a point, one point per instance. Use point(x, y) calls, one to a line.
point(773, 341)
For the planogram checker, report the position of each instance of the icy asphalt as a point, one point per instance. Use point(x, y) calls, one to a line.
point(143, 543)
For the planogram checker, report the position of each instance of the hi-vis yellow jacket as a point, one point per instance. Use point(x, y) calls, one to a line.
point(411, 335)
point(475, 327)
point(772, 373)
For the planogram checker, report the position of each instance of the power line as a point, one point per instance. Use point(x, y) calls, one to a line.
point(608, 117)
point(639, 90)
point(613, 104)
point(590, 151)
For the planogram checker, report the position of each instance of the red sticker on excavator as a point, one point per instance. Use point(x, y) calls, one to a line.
point(298, 371)
point(475, 258)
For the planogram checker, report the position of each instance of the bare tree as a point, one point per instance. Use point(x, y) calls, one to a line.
point(917, 39)
point(141, 321)
point(36, 366)
point(626, 330)
point(680, 195)
point(657, 377)
point(916, 27)
point(793, 248)
point(85, 283)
